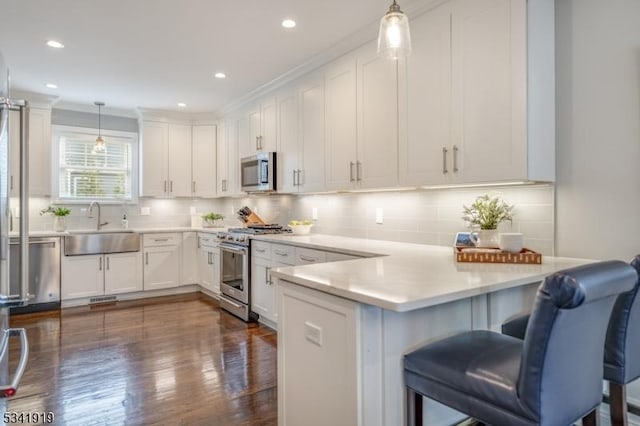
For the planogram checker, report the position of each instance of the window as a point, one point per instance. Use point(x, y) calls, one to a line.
point(83, 173)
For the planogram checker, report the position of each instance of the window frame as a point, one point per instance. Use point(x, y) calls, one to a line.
point(58, 131)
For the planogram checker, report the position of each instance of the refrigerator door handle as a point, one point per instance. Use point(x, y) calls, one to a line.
point(11, 388)
point(24, 202)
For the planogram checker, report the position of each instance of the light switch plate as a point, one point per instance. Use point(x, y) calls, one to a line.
point(379, 215)
point(145, 211)
point(314, 213)
point(313, 333)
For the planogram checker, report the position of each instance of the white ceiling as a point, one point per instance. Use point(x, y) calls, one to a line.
point(155, 53)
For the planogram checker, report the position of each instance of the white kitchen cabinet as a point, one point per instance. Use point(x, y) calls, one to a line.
point(288, 155)
point(203, 161)
point(189, 264)
point(311, 110)
point(166, 160)
point(162, 256)
point(341, 124)
point(39, 152)
point(262, 127)
point(262, 291)
point(97, 275)
point(306, 256)
point(362, 121)
point(209, 266)
point(228, 158)
point(122, 272)
point(479, 94)
point(82, 276)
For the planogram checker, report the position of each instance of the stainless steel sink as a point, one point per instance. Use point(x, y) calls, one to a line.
point(83, 243)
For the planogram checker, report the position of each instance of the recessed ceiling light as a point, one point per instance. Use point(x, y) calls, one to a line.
point(182, 104)
point(289, 23)
point(51, 86)
point(220, 75)
point(55, 44)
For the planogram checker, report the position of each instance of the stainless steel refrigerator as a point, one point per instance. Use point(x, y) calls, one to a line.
point(9, 380)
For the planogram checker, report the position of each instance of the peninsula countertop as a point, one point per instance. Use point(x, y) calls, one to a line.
point(402, 276)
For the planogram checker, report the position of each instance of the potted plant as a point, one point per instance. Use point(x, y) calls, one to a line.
point(209, 219)
point(59, 214)
point(300, 227)
point(484, 216)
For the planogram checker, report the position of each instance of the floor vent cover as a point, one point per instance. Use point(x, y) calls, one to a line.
point(103, 299)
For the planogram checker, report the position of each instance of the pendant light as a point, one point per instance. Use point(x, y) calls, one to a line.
point(99, 145)
point(394, 40)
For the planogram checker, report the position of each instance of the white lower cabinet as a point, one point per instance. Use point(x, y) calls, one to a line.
point(162, 256)
point(262, 291)
point(97, 275)
point(208, 260)
point(190, 273)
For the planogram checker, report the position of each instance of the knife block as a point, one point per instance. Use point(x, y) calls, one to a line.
point(254, 219)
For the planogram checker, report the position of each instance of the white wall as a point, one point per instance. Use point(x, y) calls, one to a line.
point(598, 128)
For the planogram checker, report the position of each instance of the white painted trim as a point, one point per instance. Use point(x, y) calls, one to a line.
point(135, 295)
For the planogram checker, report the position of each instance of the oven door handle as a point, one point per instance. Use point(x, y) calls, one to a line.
point(234, 304)
point(234, 249)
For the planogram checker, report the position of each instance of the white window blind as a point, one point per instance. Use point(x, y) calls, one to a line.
point(85, 173)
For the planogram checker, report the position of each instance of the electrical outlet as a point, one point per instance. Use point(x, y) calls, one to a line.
point(314, 213)
point(313, 333)
point(379, 215)
point(192, 210)
point(232, 210)
point(145, 211)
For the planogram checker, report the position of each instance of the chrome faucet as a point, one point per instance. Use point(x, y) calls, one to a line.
point(90, 214)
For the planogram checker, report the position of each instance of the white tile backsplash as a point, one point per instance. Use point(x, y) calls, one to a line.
point(423, 217)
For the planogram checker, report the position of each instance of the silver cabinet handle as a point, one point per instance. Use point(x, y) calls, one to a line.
point(257, 144)
point(308, 259)
point(444, 160)
point(359, 171)
point(10, 389)
point(107, 263)
point(351, 164)
point(281, 253)
point(208, 258)
point(159, 240)
point(165, 186)
point(455, 159)
point(193, 186)
point(259, 250)
point(267, 275)
point(299, 180)
point(171, 186)
point(294, 178)
point(100, 264)
point(224, 185)
point(11, 183)
point(198, 242)
point(146, 258)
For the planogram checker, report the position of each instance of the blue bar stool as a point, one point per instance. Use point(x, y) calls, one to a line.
point(621, 348)
point(552, 378)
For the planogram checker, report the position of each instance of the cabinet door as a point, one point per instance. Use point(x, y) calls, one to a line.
point(39, 151)
point(189, 258)
point(246, 137)
point(426, 95)
point(154, 161)
point(82, 276)
point(233, 154)
point(222, 159)
point(287, 157)
point(489, 89)
point(268, 123)
point(312, 123)
point(215, 270)
point(262, 293)
point(254, 130)
point(377, 120)
point(204, 161)
point(179, 160)
point(122, 273)
point(341, 125)
point(204, 268)
point(161, 267)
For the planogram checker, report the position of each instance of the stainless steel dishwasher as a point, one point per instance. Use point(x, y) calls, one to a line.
point(44, 273)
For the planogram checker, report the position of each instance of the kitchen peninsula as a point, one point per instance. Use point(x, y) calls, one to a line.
point(343, 327)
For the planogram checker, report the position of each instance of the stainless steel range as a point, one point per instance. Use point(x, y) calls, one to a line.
point(235, 281)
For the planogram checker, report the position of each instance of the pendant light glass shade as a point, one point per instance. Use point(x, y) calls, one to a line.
point(99, 145)
point(394, 40)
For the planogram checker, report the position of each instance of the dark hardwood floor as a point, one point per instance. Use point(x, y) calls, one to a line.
point(164, 361)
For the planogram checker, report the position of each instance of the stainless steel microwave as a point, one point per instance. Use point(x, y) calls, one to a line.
point(258, 172)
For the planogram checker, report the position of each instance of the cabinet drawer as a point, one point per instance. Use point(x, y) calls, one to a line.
point(306, 256)
point(207, 240)
point(261, 249)
point(162, 239)
point(283, 254)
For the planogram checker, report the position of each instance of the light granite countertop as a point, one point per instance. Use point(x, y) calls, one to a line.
point(139, 230)
point(404, 277)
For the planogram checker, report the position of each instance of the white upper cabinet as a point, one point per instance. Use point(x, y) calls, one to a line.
point(179, 165)
point(310, 176)
point(377, 164)
point(228, 158)
point(288, 148)
point(341, 124)
point(39, 152)
point(154, 159)
point(479, 94)
point(262, 127)
point(203, 161)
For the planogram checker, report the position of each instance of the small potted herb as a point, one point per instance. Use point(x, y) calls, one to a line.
point(59, 217)
point(484, 215)
point(209, 219)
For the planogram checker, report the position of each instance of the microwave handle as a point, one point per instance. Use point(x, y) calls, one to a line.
point(263, 172)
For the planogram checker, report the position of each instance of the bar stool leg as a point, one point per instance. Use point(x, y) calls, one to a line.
point(414, 408)
point(618, 404)
point(591, 419)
